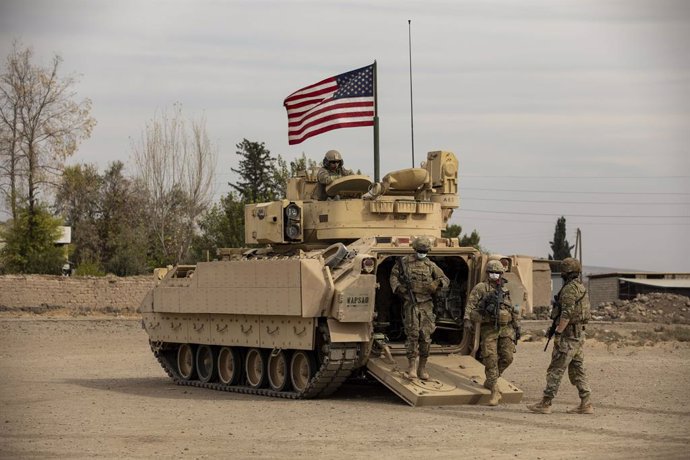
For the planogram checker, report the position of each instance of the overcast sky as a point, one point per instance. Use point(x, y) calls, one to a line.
point(574, 108)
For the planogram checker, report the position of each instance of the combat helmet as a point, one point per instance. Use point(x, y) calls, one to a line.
point(332, 155)
point(421, 244)
point(495, 266)
point(570, 265)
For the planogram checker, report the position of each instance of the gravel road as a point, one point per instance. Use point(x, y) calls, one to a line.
point(85, 388)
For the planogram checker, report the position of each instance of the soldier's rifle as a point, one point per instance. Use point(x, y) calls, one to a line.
point(556, 314)
point(554, 324)
point(491, 303)
point(407, 282)
point(499, 300)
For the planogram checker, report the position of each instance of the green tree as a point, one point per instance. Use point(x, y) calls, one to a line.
point(258, 173)
point(222, 226)
point(559, 246)
point(454, 231)
point(33, 252)
point(122, 225)
point(262, 178)
point(451, 231)
point(77, 199)
point(108, 219)
point(471, 240)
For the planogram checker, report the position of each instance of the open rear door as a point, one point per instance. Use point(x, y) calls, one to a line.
point(454, 379)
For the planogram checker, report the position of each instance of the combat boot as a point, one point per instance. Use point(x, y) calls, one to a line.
point(585, 407)
point(421, 369)
point(542, 407)
point(495, 396)
point(411, 372)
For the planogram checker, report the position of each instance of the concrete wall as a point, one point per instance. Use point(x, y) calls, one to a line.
point(607, 287)
point(604, 289)
point(95, 293)
point(541, 280)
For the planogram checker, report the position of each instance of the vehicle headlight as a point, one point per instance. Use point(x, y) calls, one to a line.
point(292, 231)
point(292, 211)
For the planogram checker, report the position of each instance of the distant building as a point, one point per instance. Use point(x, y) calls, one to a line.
point(542, 283)
point(65, 236)
point(608, 287)
point(529, 281)
point(62, 241)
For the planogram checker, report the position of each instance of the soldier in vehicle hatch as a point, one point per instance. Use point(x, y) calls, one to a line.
point(332, 169)
point(416, 279)
point(570, 314)
point(489, 304)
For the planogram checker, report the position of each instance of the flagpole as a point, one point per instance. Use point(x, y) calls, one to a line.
point(376, 129)
point(409, 35)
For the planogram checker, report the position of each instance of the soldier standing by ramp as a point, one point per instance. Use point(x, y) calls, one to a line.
point(489, 304)
point(570, 314)
point(416, 279)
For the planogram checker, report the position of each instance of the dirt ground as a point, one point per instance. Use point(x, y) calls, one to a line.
point(83, 388)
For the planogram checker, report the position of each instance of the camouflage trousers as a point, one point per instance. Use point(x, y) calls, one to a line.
point(419, 322)
point(567, 354)
point(497, 353)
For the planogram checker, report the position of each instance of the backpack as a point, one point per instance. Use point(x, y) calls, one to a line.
point(583, 310)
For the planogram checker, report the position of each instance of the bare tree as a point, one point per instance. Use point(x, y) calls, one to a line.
point(42, 125)
point(175, 163)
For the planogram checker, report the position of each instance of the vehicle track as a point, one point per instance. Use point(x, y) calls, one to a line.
point(338, 360)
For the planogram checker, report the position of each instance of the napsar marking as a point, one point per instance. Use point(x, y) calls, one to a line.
point(355, 300)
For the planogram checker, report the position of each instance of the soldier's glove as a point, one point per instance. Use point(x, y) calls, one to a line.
point(434, 285)
point(518, 333)
point(469, 324)
point(475, 316)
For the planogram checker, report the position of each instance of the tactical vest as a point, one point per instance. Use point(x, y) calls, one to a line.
point(421, 274)
point(487, 306)
point(582, 311)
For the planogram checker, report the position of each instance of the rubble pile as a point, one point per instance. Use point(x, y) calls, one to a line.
point(655, 307)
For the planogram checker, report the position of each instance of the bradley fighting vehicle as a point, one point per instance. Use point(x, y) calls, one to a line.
point(311, 305)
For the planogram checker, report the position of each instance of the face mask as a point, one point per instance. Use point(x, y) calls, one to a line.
point(421, 255)
point(494, 276)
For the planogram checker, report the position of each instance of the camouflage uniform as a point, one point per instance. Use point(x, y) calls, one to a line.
point(419, 319)
point(326, 175)
point(568, 347)
point(497, 345)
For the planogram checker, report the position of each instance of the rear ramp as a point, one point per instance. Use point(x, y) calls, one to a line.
point(454, 379)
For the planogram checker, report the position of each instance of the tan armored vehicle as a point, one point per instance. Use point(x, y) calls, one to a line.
point(312, 306)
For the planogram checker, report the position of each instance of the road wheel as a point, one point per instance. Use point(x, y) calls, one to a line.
point(302, 368)
point(255, 366)
point(278, 374)
point(185, 361)
point(206, 363)
point(229, 365)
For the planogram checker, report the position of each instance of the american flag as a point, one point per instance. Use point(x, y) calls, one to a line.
point(343, 101)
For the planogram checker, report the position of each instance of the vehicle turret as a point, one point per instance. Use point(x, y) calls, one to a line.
point(407, 202)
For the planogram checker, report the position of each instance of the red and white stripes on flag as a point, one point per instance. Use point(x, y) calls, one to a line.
point(343, 101)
